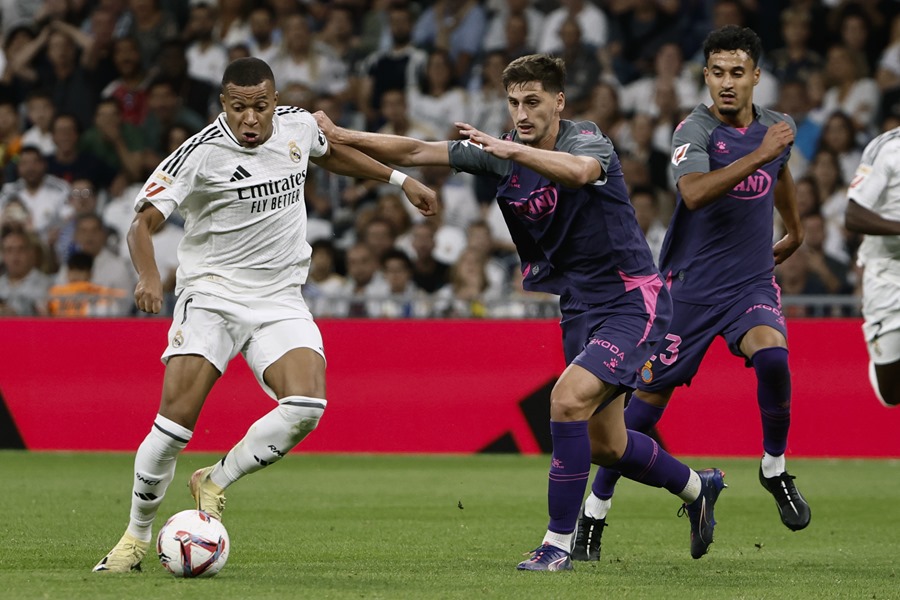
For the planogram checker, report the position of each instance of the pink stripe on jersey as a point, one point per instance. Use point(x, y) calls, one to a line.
point(650, 285)
point(526, 271)
point(777, 291)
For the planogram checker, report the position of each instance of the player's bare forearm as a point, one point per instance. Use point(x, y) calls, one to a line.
point(392, 149)
point(701, 189)
point(860, 219)
point(560, 167)
point(148, 294)
point(346, 160)
point(786, 205)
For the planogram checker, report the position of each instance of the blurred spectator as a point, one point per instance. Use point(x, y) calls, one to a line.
point(436, 98)
point(393, 69)
point(469, 292)
point(530, 24)
point(669, 69)
point(40, 111)
point(479, 239)
point(391, 207)
point(80, 297)
point(323, 278)
point(54, 52)
point(379, 235)
point(263, 42)
point(857, 30)
point(364, 283)
point(593, 21)
point(826, 170)
point(196, 94)
point(83, 201)
point(232, 27)
point(18, 72)
point(117, 144)
point(454, 27)
point(166, 111)
point(582, 67)
point(98, 56)
point(793, 100)
point(398, 121)
point(887, 73)
point(459, 207)
point(404, 298)
point(206, 56)
point(130, 86)
point(23, 288)
point(151, 25)
point(10, 134)
point(109, 269)
point(796, 279)
point(850, 89)
point(429, 273)
point(831, 272)
point(338, 38)
point(299, 60)
point(488, 95)
point(165, 249)
point(646, 209)
point(637, 30)
point(839, 137)
point(44, 196)
point(605, 110)
point(638, 143)
point(795, 60)
point(808, 199)
point(68, 162)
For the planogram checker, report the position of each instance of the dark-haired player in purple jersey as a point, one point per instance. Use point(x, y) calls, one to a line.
point(731, 166)
point(563, 197)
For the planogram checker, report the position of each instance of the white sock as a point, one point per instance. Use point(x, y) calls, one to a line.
point(772, 466)
point(596, 508)
point(691, 490)
point(154, 468)
point(270, 438)
point(563, 541)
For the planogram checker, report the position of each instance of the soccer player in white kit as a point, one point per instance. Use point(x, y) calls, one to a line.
point(874, 209)
point(238, 184)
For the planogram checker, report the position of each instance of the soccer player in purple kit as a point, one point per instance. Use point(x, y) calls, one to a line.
point(730, 162)
point(564, 200)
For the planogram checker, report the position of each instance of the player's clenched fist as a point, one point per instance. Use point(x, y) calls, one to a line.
point(777, 138)
point(148, 295)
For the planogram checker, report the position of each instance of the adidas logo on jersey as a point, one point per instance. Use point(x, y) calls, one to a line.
point(240, 173)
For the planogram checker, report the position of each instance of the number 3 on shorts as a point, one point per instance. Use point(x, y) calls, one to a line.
point(672, 349)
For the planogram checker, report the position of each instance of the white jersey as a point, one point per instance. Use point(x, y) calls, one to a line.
point(876, 186)
point(244, 208)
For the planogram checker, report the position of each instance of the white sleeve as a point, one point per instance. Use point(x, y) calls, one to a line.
point(172, 180)
point(873, 176)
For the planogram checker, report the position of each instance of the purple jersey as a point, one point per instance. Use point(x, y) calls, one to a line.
point(712, 253)
point(583, 242)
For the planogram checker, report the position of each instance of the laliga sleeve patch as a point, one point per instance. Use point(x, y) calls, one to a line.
point(861, 172)
point(680, 154)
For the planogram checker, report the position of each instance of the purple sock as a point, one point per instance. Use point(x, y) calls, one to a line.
point(646, 462)
point(569, 470)
point(773, 393)
point(639, 416)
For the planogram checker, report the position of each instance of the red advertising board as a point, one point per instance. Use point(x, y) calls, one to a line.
point(424, 387)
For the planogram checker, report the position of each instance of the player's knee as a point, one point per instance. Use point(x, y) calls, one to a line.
point(302, 412)
point(771, 365)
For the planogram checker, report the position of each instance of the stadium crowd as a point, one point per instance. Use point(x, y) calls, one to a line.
point(94, 93)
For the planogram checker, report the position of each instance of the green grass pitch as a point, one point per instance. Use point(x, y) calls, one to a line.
point(419, 527)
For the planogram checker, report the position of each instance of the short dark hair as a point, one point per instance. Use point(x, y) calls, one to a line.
point(548, 70)
point(80, 261)
point(732, 37)
point(397, 254)
point(245, 72)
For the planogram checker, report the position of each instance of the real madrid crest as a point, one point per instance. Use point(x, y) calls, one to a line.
point(178, 340)
point(294, 151)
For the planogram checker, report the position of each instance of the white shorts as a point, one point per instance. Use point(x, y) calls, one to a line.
point(262, 329)
point(881, 309)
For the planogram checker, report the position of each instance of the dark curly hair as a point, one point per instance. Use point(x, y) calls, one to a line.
point(732, 37)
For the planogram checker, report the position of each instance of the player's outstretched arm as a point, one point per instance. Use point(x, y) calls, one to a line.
point(391, 149)
point(148, 294)
point(699, 189)
point(345, 160)
point(561, 167)
point(786, 205)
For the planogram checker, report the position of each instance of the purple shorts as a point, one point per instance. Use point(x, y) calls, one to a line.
point(614, 340)
point(694, 327)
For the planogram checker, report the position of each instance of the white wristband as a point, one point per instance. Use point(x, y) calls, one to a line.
point(397, 178)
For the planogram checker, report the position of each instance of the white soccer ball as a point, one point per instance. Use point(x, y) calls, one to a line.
point(193, 544)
